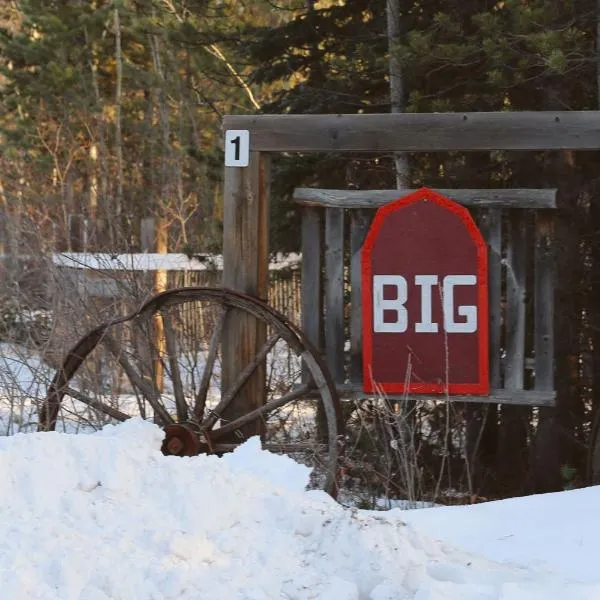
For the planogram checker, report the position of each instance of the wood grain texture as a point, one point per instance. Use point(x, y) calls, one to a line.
point(516, 264)
point(544, 280)
point(502, 396)
point(312, 290)
point(147, 234)
point(421, 132)
point(360, 221)
point(503, 198)
point(311, 276)
point(490, 223)
point(334, 292)
point(245, 260)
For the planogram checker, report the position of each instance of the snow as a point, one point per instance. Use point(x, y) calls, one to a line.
point(149, 261)
point(107, 516)
point(559, 532)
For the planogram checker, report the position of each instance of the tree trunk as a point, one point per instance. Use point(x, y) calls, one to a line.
point(396, 86)
point(118, 134)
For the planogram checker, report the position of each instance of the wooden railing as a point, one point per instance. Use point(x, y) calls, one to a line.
point(521, 288)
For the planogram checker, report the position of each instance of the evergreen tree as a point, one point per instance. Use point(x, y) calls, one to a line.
point(114, 109)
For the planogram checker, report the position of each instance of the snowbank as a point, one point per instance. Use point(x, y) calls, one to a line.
point(557, 532)
point(106, 516)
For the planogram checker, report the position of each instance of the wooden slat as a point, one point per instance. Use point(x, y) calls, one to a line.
point(334, 292)
point(311, 275)
point(421, 132)
point(245, 260)
point(516, 198)
point(147, 234)
point(544, 301)
point(491, 228)
point(360, 221)
point(516, 265)
point(501, 396)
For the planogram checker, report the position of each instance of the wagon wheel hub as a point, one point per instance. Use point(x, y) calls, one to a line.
point(181, 440)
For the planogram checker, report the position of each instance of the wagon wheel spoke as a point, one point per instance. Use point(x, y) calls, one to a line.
point(175, 371)
point(111, 411)
point(200, 400)
point(260, 412)
point(241, 379)
point(282, 392)
point(144, 384)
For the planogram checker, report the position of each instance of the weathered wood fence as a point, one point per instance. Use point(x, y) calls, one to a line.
point(503, 217)
point(512, 222)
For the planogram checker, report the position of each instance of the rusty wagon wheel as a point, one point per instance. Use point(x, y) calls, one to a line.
point(164, 362)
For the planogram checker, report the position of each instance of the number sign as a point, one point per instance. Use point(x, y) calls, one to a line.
point(237, 148)
point(425, 299)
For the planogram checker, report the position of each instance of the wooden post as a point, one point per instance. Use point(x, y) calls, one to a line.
point(245, 269)
point(76, 233)
point(154, 238)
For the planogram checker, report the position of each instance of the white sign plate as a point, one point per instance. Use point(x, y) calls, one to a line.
point(237, 147)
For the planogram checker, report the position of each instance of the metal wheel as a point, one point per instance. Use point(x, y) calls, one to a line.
point(165, 362)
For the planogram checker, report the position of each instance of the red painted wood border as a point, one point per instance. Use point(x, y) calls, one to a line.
point(482, 387)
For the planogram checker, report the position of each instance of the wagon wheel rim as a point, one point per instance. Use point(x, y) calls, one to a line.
point(194, 423)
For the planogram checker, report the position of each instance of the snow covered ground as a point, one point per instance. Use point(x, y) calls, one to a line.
point(107, 516)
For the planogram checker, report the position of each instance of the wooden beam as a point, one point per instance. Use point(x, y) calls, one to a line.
point(245, 262)
point(421, 132)
point(517, 198)
point(502, 396)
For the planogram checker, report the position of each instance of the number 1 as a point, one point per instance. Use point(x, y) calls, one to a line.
point(236, 142)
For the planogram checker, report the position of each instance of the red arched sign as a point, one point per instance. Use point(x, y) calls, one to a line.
point(425, 299)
